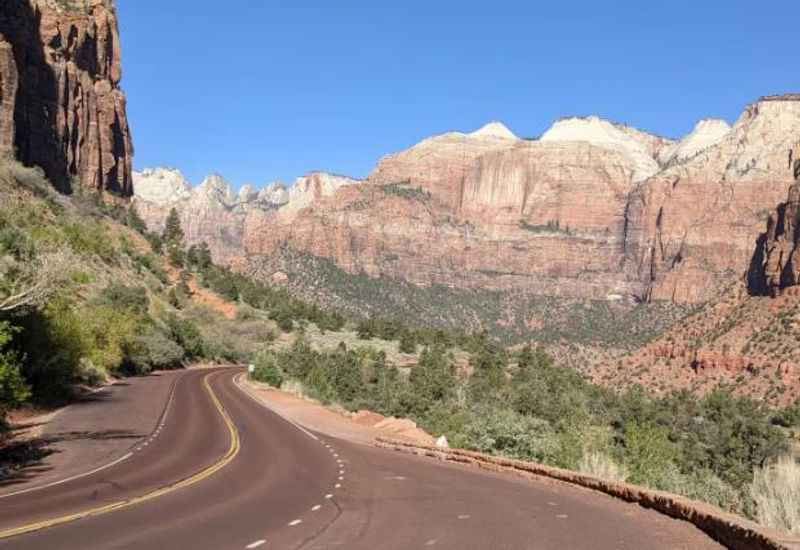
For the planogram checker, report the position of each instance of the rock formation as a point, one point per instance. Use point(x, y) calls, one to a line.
point(593, 209)
point(692, 227)
point(776, 264)
point(62, 108)
point(227, 221)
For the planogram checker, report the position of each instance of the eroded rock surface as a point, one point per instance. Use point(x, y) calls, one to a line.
point(693, 226)
point(62, 108)
point(776, 265)
point(593, 209)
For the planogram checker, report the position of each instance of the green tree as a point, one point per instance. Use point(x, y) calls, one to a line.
point(650, 455)
point(204, 260)
point(135, 221)
point(173, 239)
point(13, 390)
point(347, 379)
point(267, 369)
point(408, 342)
point(173, 232)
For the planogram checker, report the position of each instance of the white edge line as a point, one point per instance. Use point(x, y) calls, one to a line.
point(263, 404)
point(67, 480)
point(105, 466)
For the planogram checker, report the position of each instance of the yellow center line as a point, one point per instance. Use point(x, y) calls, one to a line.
point(233, 450)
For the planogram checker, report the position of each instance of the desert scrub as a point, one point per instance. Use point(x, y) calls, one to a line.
point(267, 369)
point(776, 493)
point(599, 464)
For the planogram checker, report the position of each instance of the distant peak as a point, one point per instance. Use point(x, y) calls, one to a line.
point(706, 134)
point(712, 125)
point(495, 130)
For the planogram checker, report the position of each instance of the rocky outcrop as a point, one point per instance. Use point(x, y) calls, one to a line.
point(62, 108)
point(776, 264)
point(692, 227)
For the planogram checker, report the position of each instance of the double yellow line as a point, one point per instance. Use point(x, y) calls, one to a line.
point(233, 450)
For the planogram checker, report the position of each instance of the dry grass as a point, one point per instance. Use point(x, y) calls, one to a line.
point(776, 492)
point(601, 465)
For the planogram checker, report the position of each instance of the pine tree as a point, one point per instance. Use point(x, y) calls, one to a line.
point(173, 232)
point(204, 260)
point(173, 239)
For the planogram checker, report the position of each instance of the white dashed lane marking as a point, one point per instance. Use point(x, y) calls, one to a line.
point(256, 544)
point(329, 496)
point(295, 522)
point(317, 507)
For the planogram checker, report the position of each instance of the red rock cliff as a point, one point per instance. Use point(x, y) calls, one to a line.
point(776, 265)
point(60, 103)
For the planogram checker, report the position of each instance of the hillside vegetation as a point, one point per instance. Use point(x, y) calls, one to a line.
point(87, 292)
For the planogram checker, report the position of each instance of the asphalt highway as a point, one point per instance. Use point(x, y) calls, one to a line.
point(219, 470)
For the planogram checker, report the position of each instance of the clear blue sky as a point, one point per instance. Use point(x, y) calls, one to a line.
point(259, 90)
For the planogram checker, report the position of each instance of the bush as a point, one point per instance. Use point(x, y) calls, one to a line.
point(601, 465)
point(650, 455)
point(776, 492)
point(123, 297)
point(503, 431)
point(187, 336)
point(13, 390)
point(267, 369)
point(154, 350)
point(408, 342)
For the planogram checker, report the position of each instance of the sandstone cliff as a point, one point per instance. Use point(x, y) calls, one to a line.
point(591, 210)
point(61, 106)
point(233, 225)
point(694, 225)
point(776, 263)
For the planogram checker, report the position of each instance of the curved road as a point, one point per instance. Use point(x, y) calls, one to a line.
point(221, 471)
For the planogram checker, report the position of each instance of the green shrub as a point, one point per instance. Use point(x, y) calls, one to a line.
point(13, 389)
point(267, 369)
point(154, 350)
point(503, 431)
point(186, 334)
point(90, 238)
point(650, 455)
point(133, 299)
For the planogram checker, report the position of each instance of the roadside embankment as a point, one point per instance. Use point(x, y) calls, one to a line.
point(730, 530)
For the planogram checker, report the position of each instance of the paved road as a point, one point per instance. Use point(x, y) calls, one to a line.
point(246, 478)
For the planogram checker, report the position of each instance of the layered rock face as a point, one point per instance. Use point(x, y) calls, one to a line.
point(227, 221)
point(593, 209)
point(440, 164)
point(777, 260)
point(694, 225)
point(62, 108)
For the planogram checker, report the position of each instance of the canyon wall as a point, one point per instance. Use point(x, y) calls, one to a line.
point(776, 263)
point(62, 108)
point(592, 209)
point(693, 227)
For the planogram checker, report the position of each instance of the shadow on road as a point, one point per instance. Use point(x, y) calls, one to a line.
point(23, 461)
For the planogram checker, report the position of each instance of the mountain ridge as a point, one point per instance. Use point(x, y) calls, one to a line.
point(558, 217)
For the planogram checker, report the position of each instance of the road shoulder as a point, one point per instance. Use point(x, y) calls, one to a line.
point(91, 433)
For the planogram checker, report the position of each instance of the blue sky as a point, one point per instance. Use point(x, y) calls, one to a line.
point(259, 90)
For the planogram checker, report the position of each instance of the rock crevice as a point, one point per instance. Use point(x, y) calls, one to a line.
point(62, 108)
point(776, 263)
